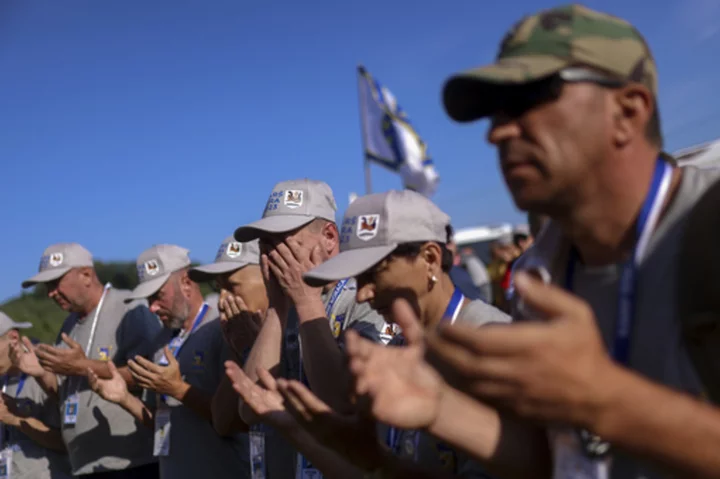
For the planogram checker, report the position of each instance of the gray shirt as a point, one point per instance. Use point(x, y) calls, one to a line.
point(346, 313)
point(31, 460)
point(657, 349)
point(196, 450)
point(426, 449)
point(105, 436)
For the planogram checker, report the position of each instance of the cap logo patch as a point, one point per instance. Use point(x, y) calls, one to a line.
point(234, 249)
point(152, 267)
point(56, 259)
point(293, 198)
point(367, 227)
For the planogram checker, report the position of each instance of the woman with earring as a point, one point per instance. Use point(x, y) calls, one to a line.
point(394, 244)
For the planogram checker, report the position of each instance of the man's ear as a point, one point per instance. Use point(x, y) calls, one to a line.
point(330, 237)
point(633, 107)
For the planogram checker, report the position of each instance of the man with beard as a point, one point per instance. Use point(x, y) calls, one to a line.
point(187, 370)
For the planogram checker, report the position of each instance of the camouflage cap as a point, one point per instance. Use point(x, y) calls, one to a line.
point(543, 44)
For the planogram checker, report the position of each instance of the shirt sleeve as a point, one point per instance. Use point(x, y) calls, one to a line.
point(137, 333)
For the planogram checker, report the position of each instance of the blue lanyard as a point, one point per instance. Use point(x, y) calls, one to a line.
point(454, 306)
point(20, 385)
point(178, 342)
point(451, 314)
point(647, 219)
point(335, 295)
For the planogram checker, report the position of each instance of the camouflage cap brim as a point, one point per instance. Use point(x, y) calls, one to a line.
point(477, 93)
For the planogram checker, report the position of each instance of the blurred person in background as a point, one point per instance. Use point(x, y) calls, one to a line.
point(502, 252)
point(102, 439)
point(478, 272)
point(522, 238)
point(459, 275)
point(31, 444)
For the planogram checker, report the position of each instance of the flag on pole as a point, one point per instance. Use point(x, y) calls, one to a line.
point(390, 139)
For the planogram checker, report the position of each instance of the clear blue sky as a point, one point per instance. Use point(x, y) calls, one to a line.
point(134, 122)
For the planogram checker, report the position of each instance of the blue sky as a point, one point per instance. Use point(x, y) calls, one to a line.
point(134, 122)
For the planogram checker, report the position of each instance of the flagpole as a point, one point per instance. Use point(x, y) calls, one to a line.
point(368, 176)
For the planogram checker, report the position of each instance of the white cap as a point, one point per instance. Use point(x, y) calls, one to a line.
point(154, 267)
point(57, 260)
point(291, 204)
point(7, 324)
point(374, 225)
point(231, 256)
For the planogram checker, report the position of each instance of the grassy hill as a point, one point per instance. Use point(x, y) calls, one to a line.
point(35, 307)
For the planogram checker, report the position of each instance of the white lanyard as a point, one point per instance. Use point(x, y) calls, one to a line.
point(91, 339)
point(93, 327)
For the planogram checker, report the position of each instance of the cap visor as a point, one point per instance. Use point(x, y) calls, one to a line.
point(208, 271)
point(148, 288)
point(477, 93)
point(45, 276)
point(347, 264)
point(271, 224)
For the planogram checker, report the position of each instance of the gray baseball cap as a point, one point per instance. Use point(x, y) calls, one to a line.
point(292, 204)
point(232, 255)
point(57, 260)
point(154, 267)
point(374, 226)
point(6, 324)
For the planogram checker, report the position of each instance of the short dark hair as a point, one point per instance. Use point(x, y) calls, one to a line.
point(412, 250)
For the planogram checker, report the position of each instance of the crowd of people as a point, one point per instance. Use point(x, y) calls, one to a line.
point(351, 349)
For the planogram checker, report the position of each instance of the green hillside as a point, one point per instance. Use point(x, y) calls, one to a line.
point(35, 307)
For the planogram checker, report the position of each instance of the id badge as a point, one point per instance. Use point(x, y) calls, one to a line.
point(569, 461)
point(257, 453)
point(307, 471)
point(161, 442)
point(6, 464)
point(72, 404)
